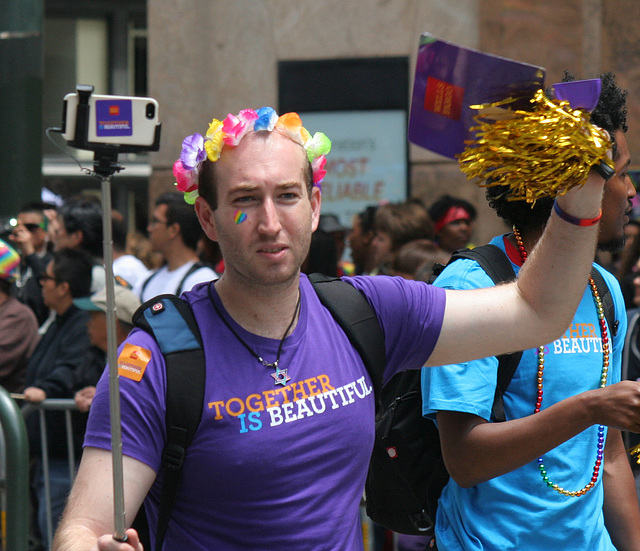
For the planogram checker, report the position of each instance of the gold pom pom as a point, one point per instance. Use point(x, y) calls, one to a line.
point(544, 152)
point(635, 451)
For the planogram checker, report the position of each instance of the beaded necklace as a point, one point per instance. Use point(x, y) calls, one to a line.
point(603, 383)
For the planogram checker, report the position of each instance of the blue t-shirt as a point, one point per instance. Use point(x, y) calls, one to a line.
point(271, 467)
point(517, 510)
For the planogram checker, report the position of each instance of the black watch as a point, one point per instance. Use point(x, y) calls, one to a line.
point(604, 170)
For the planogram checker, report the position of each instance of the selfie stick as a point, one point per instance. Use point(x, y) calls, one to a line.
point(105, 163)
point(114, 385)
point(105, 166)
point(112, 345)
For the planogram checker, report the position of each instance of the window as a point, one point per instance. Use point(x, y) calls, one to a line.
point(361, 105)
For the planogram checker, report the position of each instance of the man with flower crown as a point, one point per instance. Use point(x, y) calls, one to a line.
point(281, 454)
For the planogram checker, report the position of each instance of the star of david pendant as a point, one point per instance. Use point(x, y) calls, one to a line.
point(281, 377)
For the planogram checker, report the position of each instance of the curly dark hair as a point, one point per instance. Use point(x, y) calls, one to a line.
point(611, 111)
point(610, 114)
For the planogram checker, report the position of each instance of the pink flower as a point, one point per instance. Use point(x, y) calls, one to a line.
point(186, 180)
point(318, 169)
point(235, 128)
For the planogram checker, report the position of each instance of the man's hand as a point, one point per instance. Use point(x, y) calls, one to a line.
point(573, 201)
point(617, 406)
point(34, 394)
point(107, 543)
point(22, 237)
point(87, 522)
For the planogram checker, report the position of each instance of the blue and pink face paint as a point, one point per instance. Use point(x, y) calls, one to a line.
point(239, 216)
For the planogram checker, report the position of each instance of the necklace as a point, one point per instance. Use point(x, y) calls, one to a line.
point(280, 376)
point(603, 383)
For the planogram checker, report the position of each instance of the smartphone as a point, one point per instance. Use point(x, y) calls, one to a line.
point(113, 120)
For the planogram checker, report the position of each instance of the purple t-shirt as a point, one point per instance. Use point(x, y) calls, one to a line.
point(273, 467)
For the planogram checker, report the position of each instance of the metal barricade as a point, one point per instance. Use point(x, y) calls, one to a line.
point(15, 483)
point(54, 404)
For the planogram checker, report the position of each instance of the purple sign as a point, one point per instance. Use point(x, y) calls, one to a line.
point(114, 118)
point(449, 79)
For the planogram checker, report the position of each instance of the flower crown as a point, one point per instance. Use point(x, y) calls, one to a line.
point(196, 148)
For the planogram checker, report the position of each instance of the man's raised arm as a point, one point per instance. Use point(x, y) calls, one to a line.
point(538, 307)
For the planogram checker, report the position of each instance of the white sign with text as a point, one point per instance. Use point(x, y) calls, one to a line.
point(368, 159)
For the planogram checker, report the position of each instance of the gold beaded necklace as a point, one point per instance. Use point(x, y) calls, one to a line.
point(603, 383)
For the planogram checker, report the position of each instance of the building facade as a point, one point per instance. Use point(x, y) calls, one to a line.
point(206, 58)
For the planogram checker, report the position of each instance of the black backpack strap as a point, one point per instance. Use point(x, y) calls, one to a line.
point(171, 322)
point(498, 267)
point(356, 317)
point(491, 259)
point(196, 266)
point(607, 301)
point(146, 281)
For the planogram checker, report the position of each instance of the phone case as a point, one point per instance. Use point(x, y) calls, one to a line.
point(123, 120)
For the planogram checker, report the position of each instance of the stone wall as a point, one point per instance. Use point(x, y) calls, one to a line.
point(211, 57)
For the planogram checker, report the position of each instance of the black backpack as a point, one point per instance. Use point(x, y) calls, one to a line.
point(170, 321)
point(406, 471)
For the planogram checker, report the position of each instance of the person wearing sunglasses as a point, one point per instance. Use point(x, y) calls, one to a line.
point(30, 236)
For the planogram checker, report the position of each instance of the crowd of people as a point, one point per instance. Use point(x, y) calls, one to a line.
point(53, 329)
point(240, 258)
point(403, 239)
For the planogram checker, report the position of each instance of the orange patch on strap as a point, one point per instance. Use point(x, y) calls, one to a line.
point(133, 361)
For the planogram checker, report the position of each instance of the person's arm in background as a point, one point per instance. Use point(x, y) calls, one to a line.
point(476, 450)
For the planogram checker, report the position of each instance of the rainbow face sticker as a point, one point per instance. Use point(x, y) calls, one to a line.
point(239, 216)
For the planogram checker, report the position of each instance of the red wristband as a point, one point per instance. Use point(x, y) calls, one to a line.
point(576, 221)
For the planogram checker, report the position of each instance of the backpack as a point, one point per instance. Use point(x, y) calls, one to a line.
point(171, 322)
point(406, 471)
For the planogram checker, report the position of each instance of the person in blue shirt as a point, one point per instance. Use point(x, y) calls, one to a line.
point(555, 474)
